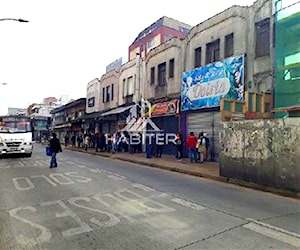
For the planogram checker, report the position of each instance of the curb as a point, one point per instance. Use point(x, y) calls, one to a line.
point(251, 185)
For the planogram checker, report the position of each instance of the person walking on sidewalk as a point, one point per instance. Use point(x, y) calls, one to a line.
point(191, 144)
point(55, 148)
point(179, 146)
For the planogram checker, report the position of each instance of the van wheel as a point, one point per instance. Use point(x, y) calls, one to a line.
point(28, 155)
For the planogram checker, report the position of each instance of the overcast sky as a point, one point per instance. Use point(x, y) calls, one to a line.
point(68, 43)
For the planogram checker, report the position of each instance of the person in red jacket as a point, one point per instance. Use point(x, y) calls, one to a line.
point(191, 144)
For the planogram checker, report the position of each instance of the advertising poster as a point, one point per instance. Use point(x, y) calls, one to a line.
point(205, 86)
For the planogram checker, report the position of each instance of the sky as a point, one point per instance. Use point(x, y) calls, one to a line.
point(68, 43)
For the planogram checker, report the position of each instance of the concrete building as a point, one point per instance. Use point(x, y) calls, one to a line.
point(221, 36)
point(50, 100)
point(67, 119)
point(231, 50)
point(109, 101)
point(259, 61)
point(163, 70)
point(93, 96)
point(157, 33)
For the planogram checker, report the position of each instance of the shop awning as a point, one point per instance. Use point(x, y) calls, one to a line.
point(116, 111)
point(92, 115)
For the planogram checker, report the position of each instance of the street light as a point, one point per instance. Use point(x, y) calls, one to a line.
point(14, 19)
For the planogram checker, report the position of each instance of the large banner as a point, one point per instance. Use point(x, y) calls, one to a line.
point(205, 86)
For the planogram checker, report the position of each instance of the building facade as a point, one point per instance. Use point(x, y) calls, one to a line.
point(67, 119)
point(159, 32)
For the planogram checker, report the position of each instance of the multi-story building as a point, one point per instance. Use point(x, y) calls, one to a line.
point(67, 119)
point(220, 57)
point(287, 55)
point(224, 56)
point(109, 93)
point(163, 70)
point(157, 33)
point(41, 119)
point(50, 101)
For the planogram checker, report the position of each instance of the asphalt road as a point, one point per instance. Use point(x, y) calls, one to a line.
point(90, 202)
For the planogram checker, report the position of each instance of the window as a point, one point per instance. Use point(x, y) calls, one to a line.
point(112, 92)
point(171, 67)
point(124, 88)
point(161, 74)
point(262, 31)
point(107, 98)
point(213, 51)
point(167, 37)
point(103, 95)
point(197, 61)
point(130, 86)
point(152, 77)
point(91, 102)
point(150, 43)
point(228, 45)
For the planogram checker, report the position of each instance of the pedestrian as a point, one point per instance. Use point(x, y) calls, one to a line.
point(201, 148)
point(66, 139)
point(73, 139)
point(55, 148)
point(159, 148)
point(207, 145)
point(150, 142)
point(179, 146)
point(86, 142)
point(191, 144)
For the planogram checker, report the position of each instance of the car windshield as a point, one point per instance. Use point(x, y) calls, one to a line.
point(15, 126)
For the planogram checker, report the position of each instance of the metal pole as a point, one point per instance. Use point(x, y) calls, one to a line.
point(14, 19)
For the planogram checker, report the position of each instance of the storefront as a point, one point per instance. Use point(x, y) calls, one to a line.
point(208, 122)
point(202, 90)
point(110, 121)
point(165, 116)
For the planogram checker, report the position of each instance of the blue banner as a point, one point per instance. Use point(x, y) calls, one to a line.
point(205, 86)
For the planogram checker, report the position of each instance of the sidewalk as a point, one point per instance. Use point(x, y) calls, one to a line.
point(208, 170)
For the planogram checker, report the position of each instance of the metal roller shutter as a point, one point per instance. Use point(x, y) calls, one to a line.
point(113, 127)
point(208, 122)
point(105, 128)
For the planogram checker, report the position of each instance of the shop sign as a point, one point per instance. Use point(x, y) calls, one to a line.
point(205, 86)
point(164, 108)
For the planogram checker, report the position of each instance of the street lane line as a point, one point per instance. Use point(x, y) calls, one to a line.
point(274, 228)
point(116, 177)
point(274, 232)
point(188, 204)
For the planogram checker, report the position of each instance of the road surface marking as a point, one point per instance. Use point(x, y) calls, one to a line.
point(80, 166)
point(83, 227)
point(116, 177)
point(274, 232)
point(112, 219)
point(44, 177)
point(45, 235)
point(29, 186)
point(188, 204)
point(142, 187)
point(53, 179)
point(78, 178)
